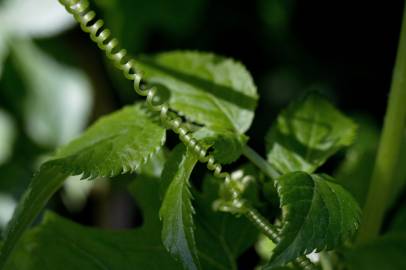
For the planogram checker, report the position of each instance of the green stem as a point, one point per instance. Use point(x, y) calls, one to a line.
point(262, 164)
point(381, 185)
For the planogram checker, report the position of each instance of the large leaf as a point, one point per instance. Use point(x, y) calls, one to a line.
point(308, 132)
point(385, 252)
point(115, 144)
point(176, 210)
point(221, 237)
point(58, 100)
point(208, 90)
point(58, 240)
point(317, 214)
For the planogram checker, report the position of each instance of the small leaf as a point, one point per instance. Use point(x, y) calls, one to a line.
point(59, 240)
point(115, 144)
point(176, 210)
point(306, 134)
point(385, 252)
point(317, 215)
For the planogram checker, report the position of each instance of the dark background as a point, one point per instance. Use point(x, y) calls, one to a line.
point(345, 49)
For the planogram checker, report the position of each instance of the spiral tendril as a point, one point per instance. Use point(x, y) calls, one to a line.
point(102, 36)
point(105, 41)
point(272, 233)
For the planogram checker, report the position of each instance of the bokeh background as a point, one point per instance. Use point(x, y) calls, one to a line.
point(54, 81)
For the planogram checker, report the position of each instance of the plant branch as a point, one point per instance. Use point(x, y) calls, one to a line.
point(382, 180)
point(262, 164)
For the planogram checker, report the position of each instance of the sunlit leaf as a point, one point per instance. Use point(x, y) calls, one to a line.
point(208, 90)
point(115, 144)
point(308, 132)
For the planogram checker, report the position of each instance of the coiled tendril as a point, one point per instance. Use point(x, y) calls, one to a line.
point(105, 41)
point(110, 45)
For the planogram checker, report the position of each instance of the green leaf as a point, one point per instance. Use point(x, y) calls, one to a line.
point(115, 144)
point(210, 90)
point(221, 237)
point(215, 92)
point(176, 210)
point(307, 133)
point(59, 240)
point(385, 252)
point(317, 215)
